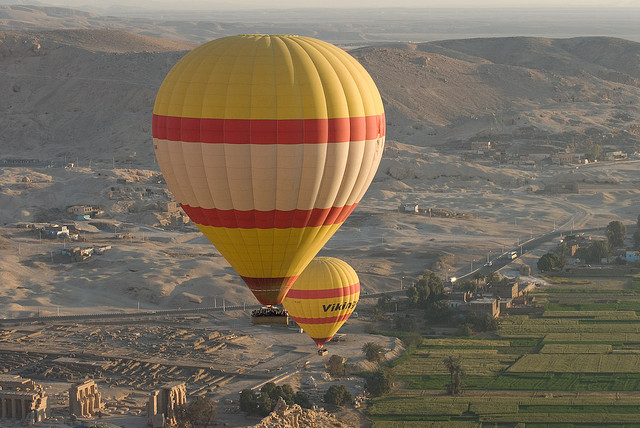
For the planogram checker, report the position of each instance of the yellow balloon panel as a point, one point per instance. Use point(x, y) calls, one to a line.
point(268, 77)
point(272, 253)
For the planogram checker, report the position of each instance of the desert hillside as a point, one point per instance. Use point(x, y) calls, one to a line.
point(81, 94)
point(524, 89)
point(87, 95)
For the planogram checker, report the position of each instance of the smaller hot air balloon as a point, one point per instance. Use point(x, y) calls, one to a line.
point(323, 297)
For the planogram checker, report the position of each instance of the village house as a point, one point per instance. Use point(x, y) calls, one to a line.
point(507, 291)
point(615, 155)
point(481, 145)
point(55, 231)
point(409, 208)
point(78, 254)
point(84, 212)
point(632, 256)
point(456, 299)
point(564, 158)
point(80, 210)
point(485, 305)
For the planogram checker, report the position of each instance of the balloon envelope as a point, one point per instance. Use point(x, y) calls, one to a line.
point(268, 143)
point(323, 297)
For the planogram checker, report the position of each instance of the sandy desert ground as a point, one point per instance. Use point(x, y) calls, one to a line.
point(173, 266)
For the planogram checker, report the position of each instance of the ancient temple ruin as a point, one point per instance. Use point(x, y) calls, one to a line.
point(84, 399)
point(22, 399)
point(161, 408)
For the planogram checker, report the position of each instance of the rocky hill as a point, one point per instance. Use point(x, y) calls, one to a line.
point(80, 94)
point(560, 90)
point(87, 95)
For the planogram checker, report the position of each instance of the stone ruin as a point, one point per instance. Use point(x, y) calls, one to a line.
point(284, 416)
point(22, 399)
point(84, 399)
point(162, 405)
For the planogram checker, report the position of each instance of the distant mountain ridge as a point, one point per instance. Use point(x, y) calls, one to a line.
point(560, 55)
point(497, 85)
point(89, 94)
point(115, 41)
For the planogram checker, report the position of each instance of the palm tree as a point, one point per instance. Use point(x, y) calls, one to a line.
point(455, 370)
point(373, 352)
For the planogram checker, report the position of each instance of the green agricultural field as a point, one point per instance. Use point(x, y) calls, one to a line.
point(577, 364)
point(503, 409)
point(596, 315)
point(563, 348)
point(480, 362)
point(459, 343)
point(612, 338)
point(615, 304)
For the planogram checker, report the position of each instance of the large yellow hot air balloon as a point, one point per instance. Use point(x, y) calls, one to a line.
point(323, 297)
point(268, 143)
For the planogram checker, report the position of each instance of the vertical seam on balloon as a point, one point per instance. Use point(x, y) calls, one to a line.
point(204, 103)
point(315, 233)
point(274, 244)
point(230, 74)
point(224, 153)
point(189, 194)
point(256, 41)
point(325, 54)
point(364, 180)
point(282, 267)
point(361, 167)
point(332, 63)
point(200, 145)
point(365, 79)
point(354, 75)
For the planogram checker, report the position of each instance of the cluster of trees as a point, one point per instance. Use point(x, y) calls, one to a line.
point(263, 403)
point(379, 382)
point(636, 235)
point(337, 366)
point(429, 288)
point(594, 152)
point(338, 395)
point(592, 252)
point(615, 232)
point(200, 413)
point(549, 262)
point(477, 323)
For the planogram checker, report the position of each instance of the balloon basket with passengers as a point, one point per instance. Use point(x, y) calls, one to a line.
point(269, 142)
point(270, 315)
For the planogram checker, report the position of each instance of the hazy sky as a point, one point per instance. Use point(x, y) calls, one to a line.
point(261, 4)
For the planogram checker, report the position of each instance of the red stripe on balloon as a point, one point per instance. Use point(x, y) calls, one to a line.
point(320, 341)
point(274, 219)
point(324, 294)
point(268, 131)
point(325, 320)
point(269, 291)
